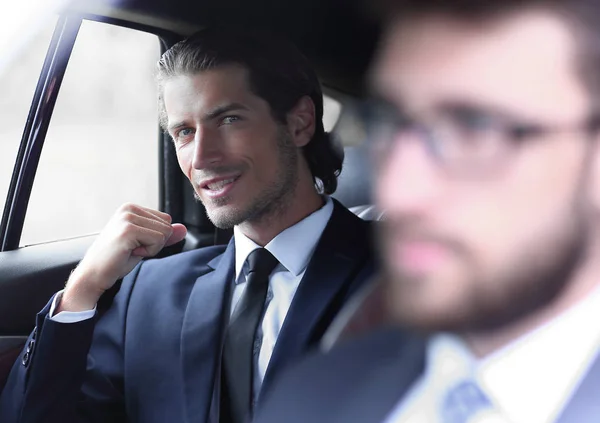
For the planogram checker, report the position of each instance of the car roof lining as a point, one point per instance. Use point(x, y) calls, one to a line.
point(336, 35)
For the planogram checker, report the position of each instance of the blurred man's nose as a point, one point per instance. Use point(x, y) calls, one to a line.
point(207, 151)
point(408, 178)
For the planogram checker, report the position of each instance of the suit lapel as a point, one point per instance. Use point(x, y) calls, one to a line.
point(584, 406)
point(340, 253)
point(201, 334)
point(388, 383)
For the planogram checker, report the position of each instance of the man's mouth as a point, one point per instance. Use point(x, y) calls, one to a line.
point(219, 186)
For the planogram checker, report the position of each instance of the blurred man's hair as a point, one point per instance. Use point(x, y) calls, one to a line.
point(582, 16)
point(278, 73)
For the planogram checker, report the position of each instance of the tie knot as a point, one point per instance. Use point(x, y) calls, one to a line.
point(262, 262)
point(463, 402)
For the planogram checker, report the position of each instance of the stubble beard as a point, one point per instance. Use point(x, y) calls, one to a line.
point(489, 302)
point(272, 201)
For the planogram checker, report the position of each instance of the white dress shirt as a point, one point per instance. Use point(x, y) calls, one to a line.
point(530, 380)
point(293, 248)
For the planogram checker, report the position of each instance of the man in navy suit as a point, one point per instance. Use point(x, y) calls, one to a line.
point(486, 136)
point(195, 337)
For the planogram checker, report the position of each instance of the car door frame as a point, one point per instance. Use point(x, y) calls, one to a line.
point(30, 275)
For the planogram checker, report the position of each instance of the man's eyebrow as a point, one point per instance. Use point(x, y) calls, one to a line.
point(226, 108)
point(467, 105)
point(174, 126)
point(214, 113)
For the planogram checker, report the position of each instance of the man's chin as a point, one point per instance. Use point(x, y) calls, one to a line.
point(460, 314)
point(423, 305)
point(224, 217)
point(422, 316)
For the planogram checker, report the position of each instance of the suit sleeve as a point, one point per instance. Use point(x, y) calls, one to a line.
point(71, 372)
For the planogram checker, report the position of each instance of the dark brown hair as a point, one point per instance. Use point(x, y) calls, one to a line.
point(582, 16)
point(278, 73)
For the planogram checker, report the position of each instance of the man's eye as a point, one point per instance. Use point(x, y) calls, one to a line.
point(185, 132)
point(521, 132)
point(230, 119)
point(474, 121)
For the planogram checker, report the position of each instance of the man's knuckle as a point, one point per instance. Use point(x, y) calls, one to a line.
point(127, 216)
point(130, 207)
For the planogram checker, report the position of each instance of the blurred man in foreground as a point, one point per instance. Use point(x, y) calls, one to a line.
point(487, 144)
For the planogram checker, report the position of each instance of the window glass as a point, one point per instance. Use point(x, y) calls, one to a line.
point(102, 145)
point(20, 67)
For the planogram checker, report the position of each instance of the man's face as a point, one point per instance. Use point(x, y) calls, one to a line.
point(476, 245)
point(241, 162)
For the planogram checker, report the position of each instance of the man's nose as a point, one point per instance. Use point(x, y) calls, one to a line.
point(207, 150)
point(408, 179)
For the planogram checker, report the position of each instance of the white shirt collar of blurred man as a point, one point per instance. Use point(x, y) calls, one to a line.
point(528, 381)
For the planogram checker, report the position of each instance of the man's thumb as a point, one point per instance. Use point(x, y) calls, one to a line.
point(179, 232)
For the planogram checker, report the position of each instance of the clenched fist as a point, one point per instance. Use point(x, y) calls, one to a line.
point(134, 232)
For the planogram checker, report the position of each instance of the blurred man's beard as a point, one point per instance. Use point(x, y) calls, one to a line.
point(272, 200)
point(488, 302)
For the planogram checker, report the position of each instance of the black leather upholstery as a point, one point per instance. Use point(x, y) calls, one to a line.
point(367, 212)
point(354, 184)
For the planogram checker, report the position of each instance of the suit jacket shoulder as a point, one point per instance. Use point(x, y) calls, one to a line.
point(349, 384)
point(152, 278)
point(197, 262)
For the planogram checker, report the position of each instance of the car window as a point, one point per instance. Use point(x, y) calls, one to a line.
point(20, 67)
point(101, 149)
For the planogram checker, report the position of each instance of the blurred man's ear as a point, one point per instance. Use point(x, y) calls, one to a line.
point(301, 121)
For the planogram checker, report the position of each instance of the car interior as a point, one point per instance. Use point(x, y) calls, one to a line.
point(338, 36)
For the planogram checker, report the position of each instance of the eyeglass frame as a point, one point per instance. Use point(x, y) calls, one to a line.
point(510, 131)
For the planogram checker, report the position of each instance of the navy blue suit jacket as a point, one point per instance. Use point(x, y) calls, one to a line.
point(362, 381)
point(155, 355)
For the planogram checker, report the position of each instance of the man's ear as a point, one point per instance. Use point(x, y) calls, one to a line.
point(301, 121)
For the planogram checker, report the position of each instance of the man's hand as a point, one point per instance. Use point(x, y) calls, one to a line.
point(134, 232)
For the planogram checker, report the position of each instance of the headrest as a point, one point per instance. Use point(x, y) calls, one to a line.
point(354, 183)
point(367, 212)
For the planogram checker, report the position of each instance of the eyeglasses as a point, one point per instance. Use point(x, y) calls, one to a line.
point(459, 137)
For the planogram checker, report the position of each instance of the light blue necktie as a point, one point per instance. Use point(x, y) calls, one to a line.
point(463, 402)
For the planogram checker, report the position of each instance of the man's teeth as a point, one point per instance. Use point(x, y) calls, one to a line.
point(215, 186)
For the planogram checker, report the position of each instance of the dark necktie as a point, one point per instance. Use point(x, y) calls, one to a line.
point(238, 359)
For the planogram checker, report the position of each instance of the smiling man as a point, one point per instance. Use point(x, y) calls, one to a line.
point(485, 129)
point(196, 336)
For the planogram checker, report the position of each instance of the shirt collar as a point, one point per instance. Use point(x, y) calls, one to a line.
point(548, 364)
point(292, 247)
point(448, 362)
